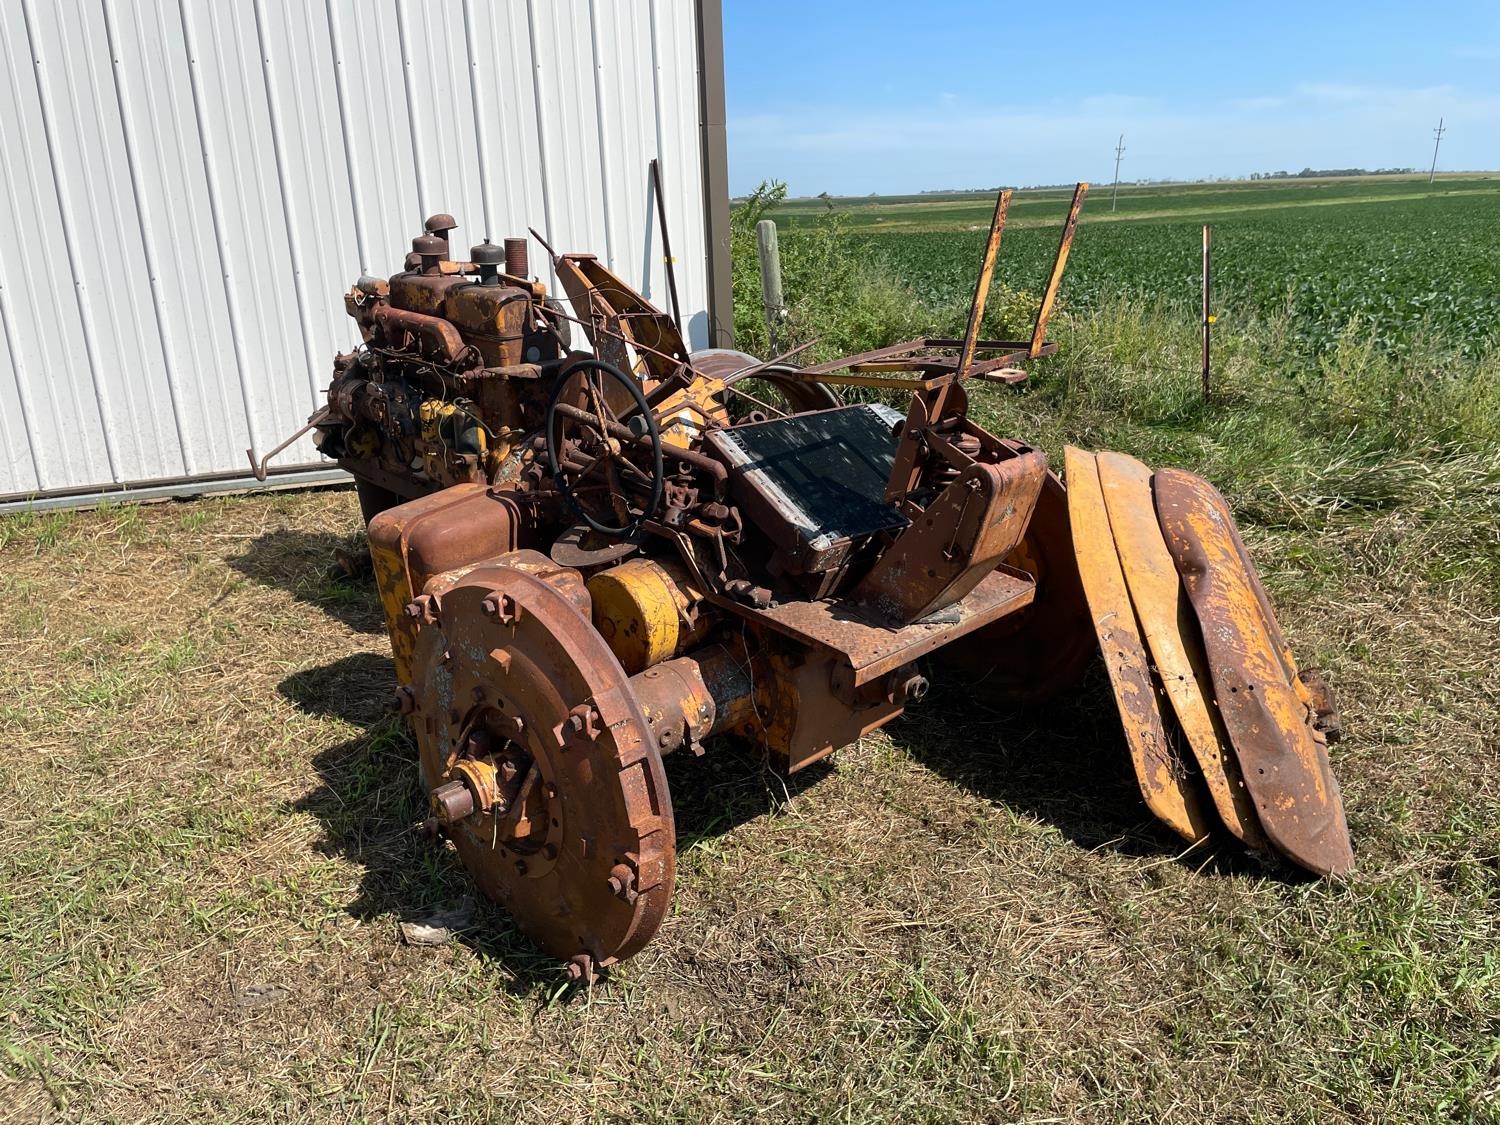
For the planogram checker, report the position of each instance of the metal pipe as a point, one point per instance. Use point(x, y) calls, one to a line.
point(438, 334)
point(666, 248)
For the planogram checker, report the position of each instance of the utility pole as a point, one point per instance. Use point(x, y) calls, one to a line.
point(1119, 152)
point(1437, 135)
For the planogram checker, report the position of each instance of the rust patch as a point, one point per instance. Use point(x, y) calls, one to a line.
point(1267, 710)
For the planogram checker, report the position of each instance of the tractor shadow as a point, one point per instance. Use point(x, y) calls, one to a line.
point(1064, 763)
point(305, 565)
point(371, 804)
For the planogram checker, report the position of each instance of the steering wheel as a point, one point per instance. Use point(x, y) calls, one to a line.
point(596, 456)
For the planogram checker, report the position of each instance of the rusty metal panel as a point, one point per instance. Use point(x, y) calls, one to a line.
point(1173, 638)
point(1271, 716)
point(871, 648)
point(1169, 790)
point(189, 185)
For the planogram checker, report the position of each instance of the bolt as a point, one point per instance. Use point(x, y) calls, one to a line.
point(584, 721)
point(622, 883)
point(423, 609)
point(520, 867)
point(406, 700)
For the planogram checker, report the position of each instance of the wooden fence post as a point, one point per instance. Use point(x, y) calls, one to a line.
point(770, 277)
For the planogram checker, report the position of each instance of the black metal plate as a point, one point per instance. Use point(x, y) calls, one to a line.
point(823, 474)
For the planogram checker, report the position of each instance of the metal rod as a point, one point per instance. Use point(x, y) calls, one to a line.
point(776, 410)
point(666, 246)
point(1043, 314)
point(1207, 319)
point(624, 433)
point(982, 286)
point(551, 253)
point(593, 326)
point(745, 372)
point(259, 467)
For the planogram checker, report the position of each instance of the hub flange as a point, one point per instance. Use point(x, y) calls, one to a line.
point(543, 767)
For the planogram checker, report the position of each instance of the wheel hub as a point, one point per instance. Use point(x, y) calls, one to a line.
point(541, 766)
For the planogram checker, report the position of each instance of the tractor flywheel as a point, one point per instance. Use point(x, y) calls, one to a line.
point(541, 766)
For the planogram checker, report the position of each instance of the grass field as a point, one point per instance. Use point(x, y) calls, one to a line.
point(1395, 256)
point(210, 814)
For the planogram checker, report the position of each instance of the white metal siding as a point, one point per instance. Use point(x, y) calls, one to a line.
point(188, 187)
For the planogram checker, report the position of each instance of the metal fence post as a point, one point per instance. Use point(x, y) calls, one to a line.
point(1207, 318)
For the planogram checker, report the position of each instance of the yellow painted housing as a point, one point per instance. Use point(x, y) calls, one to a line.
point(643, 611)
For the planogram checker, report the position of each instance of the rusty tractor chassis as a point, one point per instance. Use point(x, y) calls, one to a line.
point(590, 560)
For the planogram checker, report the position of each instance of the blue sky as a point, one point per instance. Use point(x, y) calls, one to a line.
point(887, 97)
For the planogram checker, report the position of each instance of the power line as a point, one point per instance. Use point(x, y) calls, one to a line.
point(1437, 140)
point(1120, 151)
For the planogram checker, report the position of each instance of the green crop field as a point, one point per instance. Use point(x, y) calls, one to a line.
point(1389, 257)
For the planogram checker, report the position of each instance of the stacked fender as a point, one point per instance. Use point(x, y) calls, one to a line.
point(1221, 725)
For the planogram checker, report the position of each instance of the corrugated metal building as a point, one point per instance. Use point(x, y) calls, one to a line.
point(189, 187)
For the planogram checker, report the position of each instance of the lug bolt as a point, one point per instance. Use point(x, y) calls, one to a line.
point(423, 609)
point(584, 721)
point(622, 883)
point(581, 967)
point(406, 700)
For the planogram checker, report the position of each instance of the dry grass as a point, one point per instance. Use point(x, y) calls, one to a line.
point(209, 840)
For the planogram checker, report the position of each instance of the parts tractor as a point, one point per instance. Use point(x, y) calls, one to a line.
point(589, 560)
